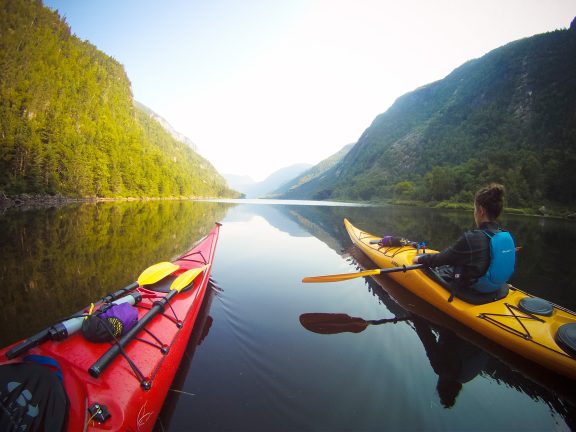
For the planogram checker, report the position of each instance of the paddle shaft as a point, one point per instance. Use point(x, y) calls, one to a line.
point(401, 269)
point(59, 331)
point(348, 276)
point(102, 363)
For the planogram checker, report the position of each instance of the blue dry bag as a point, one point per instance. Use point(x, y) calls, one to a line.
point(502, 261)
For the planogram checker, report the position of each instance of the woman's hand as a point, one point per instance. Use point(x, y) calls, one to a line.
point(416, 259)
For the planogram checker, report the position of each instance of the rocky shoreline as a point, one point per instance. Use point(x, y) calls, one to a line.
point(31, 201)
point(26, 201)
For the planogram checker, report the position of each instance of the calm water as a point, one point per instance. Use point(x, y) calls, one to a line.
point(252, 365)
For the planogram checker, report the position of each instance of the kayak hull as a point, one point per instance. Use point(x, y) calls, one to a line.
point(132, 396)
point(529, 335)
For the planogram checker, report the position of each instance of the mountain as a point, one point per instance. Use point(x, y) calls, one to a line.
point(508, 116)
point(299, 187)
point(239, 182)
point(252, 189)
point(68, 123)
point(166, 125)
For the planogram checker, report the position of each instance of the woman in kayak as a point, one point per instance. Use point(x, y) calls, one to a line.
point(483, 258)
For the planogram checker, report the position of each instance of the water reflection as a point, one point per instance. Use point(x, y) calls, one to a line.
point(257, 364)
point(454, 360)
point(55, 261)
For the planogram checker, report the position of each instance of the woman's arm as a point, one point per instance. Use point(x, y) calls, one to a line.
point(457, 254)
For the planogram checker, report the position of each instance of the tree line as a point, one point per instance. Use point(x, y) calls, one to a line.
point(507, 117)
point(68, 124)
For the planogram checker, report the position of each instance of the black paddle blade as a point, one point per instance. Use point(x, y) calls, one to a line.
point(332, 323)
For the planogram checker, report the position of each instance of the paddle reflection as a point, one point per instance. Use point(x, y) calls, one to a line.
point(332, 323)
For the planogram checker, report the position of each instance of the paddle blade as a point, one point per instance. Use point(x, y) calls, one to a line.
point(186, 278)
point(340, 277)
point(332, 323)
point(157, 272)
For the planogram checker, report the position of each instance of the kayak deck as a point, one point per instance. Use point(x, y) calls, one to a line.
point(503, 321)
point(133, 388)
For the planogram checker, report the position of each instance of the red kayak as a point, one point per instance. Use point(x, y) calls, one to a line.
point(60, 380)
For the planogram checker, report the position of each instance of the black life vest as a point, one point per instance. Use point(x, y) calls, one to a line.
point(32, 396)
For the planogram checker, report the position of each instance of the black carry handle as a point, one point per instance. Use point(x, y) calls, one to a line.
point(35, 340)
point(120, 293)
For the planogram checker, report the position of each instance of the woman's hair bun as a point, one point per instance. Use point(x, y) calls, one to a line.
point(496, 190)
point(491, 198)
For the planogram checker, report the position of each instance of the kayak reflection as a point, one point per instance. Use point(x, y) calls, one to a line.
point(454, 360)
point(199, 333)
point(501, 365)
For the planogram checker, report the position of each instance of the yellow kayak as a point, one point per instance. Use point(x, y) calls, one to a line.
point(534, 328)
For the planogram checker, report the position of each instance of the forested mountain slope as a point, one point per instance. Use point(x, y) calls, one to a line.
point(68, 124)
point(509, 116)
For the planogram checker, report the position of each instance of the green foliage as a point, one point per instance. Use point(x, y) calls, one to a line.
point(68, 123)
point(56, 261)
point(404, 190)
point(507, 117)
point(440, 183)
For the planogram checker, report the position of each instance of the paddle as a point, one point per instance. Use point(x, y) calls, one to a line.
point(181, 282)
point(333, 323)
point(71, 325)
point(347, 276)
point(156, 272)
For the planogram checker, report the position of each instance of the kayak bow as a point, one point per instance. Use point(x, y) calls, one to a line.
point(120, 385)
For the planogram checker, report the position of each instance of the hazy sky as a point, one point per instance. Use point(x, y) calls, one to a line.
point(262, 84)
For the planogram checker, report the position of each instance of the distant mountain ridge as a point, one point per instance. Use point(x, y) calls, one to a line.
point(252, 189)
point(239, 182)
point(299, 187)
point(508, 116)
